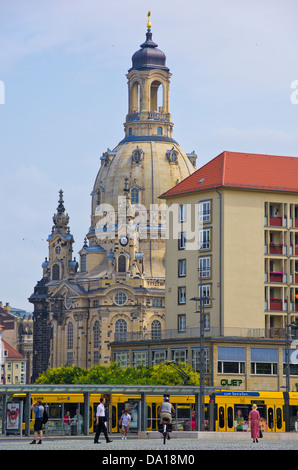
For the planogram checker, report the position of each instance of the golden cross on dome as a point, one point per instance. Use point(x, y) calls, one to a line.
point(149, 22)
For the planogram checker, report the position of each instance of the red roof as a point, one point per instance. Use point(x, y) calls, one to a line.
point(242, 170)
point(11, 352)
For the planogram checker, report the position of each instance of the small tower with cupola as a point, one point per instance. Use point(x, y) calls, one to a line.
point(60, 265)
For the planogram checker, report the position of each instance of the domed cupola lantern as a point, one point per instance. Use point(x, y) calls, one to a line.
point(148, 90)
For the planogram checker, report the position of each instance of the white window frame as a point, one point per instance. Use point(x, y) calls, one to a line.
point(182, 241)
point(205, 239)
point(181, 267)
point(182, 213)
point(181, 323)
point(205, 266)
point(205, 211)
point(182, 295)
point(205, 290)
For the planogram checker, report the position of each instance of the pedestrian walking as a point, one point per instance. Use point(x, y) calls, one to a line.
point(254, 419)
point(125, 421)
point(100, 422)
point(38, 409)
point(78, 421)
point(67, 423)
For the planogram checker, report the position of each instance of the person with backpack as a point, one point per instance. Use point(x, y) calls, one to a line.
point(39, 410)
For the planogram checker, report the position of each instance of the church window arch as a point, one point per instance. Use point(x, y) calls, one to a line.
point(56, 272)
point(156, 96)
point(70, 335)
point(83, 263)
point(156, 329)
point(135, 97)
point(135, 196)
point(121, 330)
point(120, 298)
point(159, 130)
point(137, 155)
point(96, 333)
point(122, 264)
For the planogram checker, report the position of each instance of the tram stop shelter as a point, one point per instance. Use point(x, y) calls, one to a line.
point(87, 390)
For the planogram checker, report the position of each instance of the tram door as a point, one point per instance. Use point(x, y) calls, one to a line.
point(225, 418)
point(275, 421)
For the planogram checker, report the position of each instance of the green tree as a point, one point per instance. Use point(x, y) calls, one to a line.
point(161, 374)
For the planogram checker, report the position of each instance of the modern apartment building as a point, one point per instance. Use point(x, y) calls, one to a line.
point(233, 238)
point(245, 211)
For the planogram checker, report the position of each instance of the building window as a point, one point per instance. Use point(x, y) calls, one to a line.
point(70, 335)
point(159, 356)
point(83, 263)
point(155, 329)
point(181, 267)
point(205, 292)
point(204, 266)
point(122, 264)
point(181, 241)
point(156, 302)
point(195, 359)
point(179, 355)
point(182, 213)
point(135, 196)
point(293, 366)
point(181, 323)
point(204, 239)
point(120, 298)
point(56, 272)
point(96, 303)
point(181, 295)
point(137, 155)
point(264, 361)
point(120, 330)
point(139, 358)
point(230, 360)
point(121, 358)
point(96, 357)
point(205, 211)
point(96, 334)
point(70, 359)
point(159, 130)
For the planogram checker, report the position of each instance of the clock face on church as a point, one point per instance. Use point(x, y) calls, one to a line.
point(123, 240)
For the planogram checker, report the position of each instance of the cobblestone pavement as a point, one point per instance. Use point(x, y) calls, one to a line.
point(134, 444)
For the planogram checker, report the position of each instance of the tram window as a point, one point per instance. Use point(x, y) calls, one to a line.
point(293, 418)
point(113, 416)
point(278, 418)
point(270, 418)
point(221, 413)
point(230, 417)
point(149, 416)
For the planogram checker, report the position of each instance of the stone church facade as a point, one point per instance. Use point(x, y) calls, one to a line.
point(117, 290)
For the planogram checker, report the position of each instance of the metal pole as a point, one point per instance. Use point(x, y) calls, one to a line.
point(202, 368)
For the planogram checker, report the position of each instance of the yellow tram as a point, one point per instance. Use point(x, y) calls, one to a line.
point(230, 410)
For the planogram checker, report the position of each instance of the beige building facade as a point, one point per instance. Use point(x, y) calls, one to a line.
point(117, 286)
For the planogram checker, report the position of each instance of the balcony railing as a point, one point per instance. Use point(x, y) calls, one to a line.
point(275, 248)
point(152, 115)
point(276, 276)
point(276, 221)
point(188, 333)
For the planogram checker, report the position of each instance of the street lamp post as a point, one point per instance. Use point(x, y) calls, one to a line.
point(202, 301)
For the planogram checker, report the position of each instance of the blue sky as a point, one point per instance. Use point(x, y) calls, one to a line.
point(63, 66)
